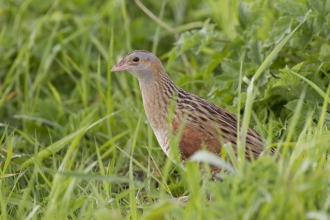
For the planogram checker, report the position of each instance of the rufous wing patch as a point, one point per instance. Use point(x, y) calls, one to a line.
point(193, 139)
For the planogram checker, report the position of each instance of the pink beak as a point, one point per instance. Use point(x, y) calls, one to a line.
point(119, 66)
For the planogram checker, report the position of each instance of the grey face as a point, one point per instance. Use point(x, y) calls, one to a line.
point(140, 64)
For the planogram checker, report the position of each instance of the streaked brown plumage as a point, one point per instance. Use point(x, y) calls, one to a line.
point(204, 121)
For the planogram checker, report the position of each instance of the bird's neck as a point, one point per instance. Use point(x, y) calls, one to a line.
point(157, 95)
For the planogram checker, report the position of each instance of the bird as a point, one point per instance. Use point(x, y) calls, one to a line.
point(204, 124)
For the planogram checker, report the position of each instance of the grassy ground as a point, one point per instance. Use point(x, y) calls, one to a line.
point(74, 139)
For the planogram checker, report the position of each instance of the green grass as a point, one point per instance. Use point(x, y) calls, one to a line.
point(74, 139)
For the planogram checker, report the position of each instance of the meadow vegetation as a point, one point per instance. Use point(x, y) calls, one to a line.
point(74, 139)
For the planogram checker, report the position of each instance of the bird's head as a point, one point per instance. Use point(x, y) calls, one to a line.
point(140, 63)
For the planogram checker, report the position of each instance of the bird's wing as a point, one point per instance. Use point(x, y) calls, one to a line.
point(208, 123)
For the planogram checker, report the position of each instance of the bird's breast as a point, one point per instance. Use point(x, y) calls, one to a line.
point(156, 109)
point(163, 140)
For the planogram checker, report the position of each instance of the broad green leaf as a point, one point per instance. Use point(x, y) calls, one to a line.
point(231, 68)
point(196, 39)
point(255, 52)
point(281, 27)
point(293, 8)
point(306, 106)
point(321, 6)
point(247, 15)
point(318, 24)
point(214, 61)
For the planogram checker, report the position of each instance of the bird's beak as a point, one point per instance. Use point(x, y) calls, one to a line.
point(120, 66)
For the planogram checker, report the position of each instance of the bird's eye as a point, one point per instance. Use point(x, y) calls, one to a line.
point(136, 59)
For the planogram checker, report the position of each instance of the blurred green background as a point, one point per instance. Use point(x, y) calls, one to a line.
point(75, 142)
